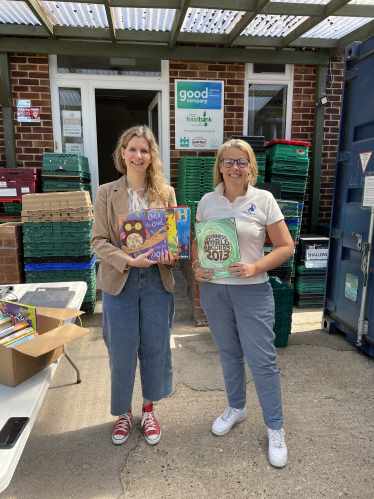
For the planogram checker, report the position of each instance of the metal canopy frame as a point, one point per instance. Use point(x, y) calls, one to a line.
point(314, 15)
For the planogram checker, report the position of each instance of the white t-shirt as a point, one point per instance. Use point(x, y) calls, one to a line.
point(252, 213)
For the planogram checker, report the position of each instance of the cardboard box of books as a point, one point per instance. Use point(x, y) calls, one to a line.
point(32, 338)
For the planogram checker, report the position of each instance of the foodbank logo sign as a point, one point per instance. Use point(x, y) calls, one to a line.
point(199, 95)
point(203, 120)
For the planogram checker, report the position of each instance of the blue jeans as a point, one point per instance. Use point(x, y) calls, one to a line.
point(241, 320)
point(137, 323)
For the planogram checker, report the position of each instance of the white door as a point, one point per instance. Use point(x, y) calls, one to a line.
point(154, 119)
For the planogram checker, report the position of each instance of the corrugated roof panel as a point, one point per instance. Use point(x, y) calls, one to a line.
point(143, 19)
point(75, 14)
point(210, 20)
point(268, 25)
point(336, 27)
point(16, 13)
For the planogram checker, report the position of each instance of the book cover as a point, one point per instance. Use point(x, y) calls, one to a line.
point(171, 226)
point(27, 337)
point(142, 230)
point(17, 317)
point(14, 336)
point(184, 231)
point(217, 245)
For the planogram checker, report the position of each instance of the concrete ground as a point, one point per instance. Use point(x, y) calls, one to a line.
point(328, 391)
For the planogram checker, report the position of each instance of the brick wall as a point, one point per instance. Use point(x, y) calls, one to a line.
point(11, 253)
point(30, 81)
point(302, 128)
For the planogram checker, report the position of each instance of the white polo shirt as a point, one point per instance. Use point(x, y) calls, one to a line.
point(252, 213)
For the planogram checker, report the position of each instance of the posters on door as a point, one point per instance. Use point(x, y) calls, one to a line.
point(198, 114)
point(71, 124)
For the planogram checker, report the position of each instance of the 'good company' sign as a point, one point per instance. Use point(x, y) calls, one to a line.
point(198, 114)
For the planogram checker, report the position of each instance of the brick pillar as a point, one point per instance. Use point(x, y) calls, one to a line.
point(30, 81)
point(11, 254)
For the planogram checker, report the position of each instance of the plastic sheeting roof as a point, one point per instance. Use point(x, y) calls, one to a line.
point(196, 20)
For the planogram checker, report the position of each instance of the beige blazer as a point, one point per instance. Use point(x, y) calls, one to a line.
point(111, 200)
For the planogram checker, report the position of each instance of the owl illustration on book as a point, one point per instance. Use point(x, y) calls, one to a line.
point(134, 234)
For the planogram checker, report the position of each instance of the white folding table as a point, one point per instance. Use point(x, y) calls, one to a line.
point(26, 399)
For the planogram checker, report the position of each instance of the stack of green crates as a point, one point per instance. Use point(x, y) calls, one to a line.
point(287, 162)
point(283, 299)
point(60, 251)
point(292, 212)
point(65, 172)
point(310, 278)
point(261, 165)
point(194, 179)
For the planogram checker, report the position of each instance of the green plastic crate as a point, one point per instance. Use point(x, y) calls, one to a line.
point(287, 152)
point(48, 227)
point(281, 340)
point(12, 207)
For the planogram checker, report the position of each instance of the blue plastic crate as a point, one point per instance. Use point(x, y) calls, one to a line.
point(40, 267)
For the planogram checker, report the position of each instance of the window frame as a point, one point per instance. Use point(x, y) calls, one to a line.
point(269, 79)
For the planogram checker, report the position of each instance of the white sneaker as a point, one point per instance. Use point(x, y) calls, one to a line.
point(226, 421)
point(277, 448)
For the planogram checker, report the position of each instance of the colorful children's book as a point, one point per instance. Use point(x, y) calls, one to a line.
point(142, 230)
point(16, 317)
point(183, 226)
point(171, 226)
point(217, 245)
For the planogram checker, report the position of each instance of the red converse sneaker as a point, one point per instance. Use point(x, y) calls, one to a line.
point(152, 432)
point(121, 428)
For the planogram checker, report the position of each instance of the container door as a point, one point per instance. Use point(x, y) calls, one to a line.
point(350, 222)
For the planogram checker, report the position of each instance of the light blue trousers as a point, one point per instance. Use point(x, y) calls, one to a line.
point(137, 323)
point(241, 320)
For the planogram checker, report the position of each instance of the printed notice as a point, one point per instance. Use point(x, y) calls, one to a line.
point(198, 114)
point(368, 200)
point(71, 124)
point(351, 287)
point(74, 148)
point(317, 254)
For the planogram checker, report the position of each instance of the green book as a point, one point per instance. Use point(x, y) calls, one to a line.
point(217, 245)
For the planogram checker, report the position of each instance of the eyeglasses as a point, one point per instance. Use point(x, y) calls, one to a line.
point(229, 163)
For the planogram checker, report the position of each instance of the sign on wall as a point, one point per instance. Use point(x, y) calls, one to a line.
point(198, 114)
point(26, 113)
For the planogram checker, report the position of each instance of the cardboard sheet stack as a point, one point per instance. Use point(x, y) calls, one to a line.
point(57, 240)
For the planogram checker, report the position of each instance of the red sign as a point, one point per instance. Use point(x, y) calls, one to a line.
point(26, 114)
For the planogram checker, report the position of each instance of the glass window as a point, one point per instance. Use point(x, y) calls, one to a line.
point(108, 65)
point(271, 69)
point(71, 120)
point(267, 111)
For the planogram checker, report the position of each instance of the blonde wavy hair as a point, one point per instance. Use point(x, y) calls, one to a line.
point(155, 182)
point(245, 147)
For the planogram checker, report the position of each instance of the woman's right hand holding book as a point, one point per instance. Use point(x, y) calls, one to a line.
point(142, 260)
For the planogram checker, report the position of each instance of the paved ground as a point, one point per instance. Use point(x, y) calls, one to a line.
point(328, 396)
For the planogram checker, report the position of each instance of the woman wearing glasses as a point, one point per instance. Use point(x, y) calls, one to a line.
point(240, 309)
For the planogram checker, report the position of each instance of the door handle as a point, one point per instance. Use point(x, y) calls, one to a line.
point(359, 237)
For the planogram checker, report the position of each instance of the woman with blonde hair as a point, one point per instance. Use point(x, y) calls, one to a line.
point(240, 309)
point(138, 300)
